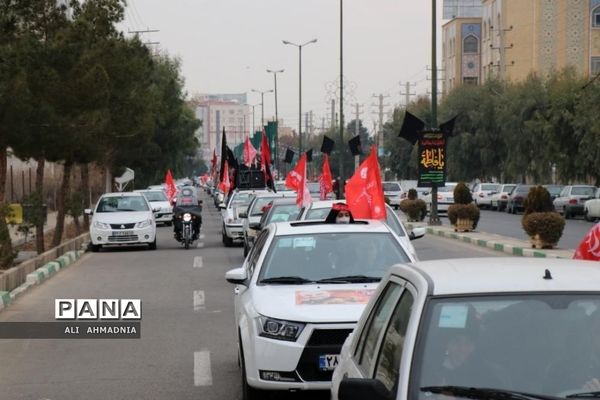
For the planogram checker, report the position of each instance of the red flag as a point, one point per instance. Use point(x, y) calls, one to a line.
point(265, 155)
point(589, 248)
point(325, 184)
point(171, 189)
point(213, 162)
point(296, 180)
point(364, 193)
point(225, 184)
point(249, 152)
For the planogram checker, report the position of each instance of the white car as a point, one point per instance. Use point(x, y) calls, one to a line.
point(499, 199)
point(445, 197)
point(318, 210)
point(482, 194)
point(253, 215)
point(393, 191)
point(491, 328)
point(124, 218)
point(237, 202)
point(158, 200)
point(299, 294)
point(591, 208)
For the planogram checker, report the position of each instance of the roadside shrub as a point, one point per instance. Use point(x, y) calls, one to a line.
point(548, 225)
point(463, 211)
point(415, 210)
point(538, 200)
point(462, 194)
point(412, 194)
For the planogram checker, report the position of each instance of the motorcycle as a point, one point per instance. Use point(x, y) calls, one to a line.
point(187, 223)
point(187, 230)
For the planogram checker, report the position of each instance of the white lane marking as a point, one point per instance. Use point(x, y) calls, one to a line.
point(198, 262)
point(202, 370)
point(202, 236)
point(200, 245)
point(198, 300)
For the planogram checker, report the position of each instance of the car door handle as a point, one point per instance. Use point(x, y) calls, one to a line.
point(236, 290)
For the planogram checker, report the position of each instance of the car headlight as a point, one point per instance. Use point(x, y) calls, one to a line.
point(187, 217)
point(234, 221)
point(101, 225)
point(144, 224)
point(279, 329)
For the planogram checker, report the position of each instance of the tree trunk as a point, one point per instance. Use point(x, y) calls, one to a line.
point(6, 250)
point(77, 225)
point(39, 188)
point(85, 189)
point(65, 189)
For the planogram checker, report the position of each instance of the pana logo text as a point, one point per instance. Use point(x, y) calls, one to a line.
point(102, 309)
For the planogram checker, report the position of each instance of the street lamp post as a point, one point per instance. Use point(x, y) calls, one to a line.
point(262, 104)
point(275, 72)
point(300, 46)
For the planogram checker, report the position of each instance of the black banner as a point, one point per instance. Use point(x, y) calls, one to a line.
point(432, 159)
point(70, 330)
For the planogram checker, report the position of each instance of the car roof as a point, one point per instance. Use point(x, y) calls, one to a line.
point(310, 227)
point(284, 200)
point(269, 194)
point(122, 194)
point(506, 275)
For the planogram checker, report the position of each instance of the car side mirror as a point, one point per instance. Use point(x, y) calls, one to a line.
point(155, 210)
point(255, 226)
point(222, 206)
point(243, 215)
point(360, 389)
point(237, 276)
point(200, 202)
point(88, 211)
point(417, 233)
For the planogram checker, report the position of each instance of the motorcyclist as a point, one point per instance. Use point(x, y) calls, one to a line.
point(187, 202)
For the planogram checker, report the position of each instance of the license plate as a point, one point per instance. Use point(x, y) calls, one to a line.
point(122, 233)
point(328, 362)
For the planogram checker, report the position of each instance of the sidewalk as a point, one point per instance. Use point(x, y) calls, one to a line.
point(18, 238)
point(492, 241)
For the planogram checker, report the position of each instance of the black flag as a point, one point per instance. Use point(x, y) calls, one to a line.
point(327, 146)
point(354, 144)
point(289, 156)
point(309, 155)
point(448, 126)
point(223, 155)
point(411, 127)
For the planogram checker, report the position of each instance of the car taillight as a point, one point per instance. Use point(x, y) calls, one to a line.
point(504, 197)
point(481, 195)
point(573, 201)
point(440, 197)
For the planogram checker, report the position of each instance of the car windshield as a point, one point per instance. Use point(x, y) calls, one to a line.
point(314, 187)
point(317, 213)
point(259, 203)
point(554, 190)
point(241, 199)
point(155, 196)
point(583, 191)
point(122, 203)
point(280, 187)
point(508, 188)
point(543, 344)
point(489, 187)
point(446, 189)
point(332, 255)
point(522, 189)
point(283, 213)
point(391, 187)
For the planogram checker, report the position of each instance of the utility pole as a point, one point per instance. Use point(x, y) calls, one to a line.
point(407, 94)
point(356, 133)
point(333, 123)
point(433, 216)
point(380, 141)
point(341, 148)
point(311, 126)
point(276, 149)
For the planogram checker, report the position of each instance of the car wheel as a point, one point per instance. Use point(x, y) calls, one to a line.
point(152, 246)
point(513, 210)
point(586, 216)
point(94, 247)
point(248, 392)
point(396, 207)
point(567, 213)
point(227, 241)
point(169, 223)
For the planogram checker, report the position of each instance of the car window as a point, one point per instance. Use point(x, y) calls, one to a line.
point(365, 350)
point(255, 252)
point(583, 191)
point(258, 204)
point(446, 189)
point(122, 203)
point(390, 352)
point(391, 187)
point(240, 199)
point(155, 196)
point(394, 223)
point(489, 187)
point(314, 187)
point(565, 192)
point(508, 188)
point(318, 256)
point(317, 213)
point(283, 213)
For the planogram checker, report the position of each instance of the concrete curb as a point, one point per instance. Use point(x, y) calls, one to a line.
point(40, 275)
point(497, 245)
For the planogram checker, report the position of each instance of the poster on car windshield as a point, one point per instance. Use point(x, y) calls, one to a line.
point(432, 159)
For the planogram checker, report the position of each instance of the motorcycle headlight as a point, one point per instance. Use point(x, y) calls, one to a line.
point(144, 224)
point(187, 217)
point(101, 225)
point(279, 329)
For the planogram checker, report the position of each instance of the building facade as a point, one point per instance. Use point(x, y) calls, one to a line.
point(462, 9)
point(461, 52)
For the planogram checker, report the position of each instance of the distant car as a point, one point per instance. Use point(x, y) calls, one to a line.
point(253, 214)
point(479, 328)
point(158, 200)
point(278, 210)
point(571, 200)
point(315, 191)
point(318, 210)
point(299, 294)
point(516, 198)
point(124, 218)
point(280, 187)
point(591, 208)
point(499, 199)
point(445, 198)
point(482, 194)
point(554, 190)
point(393, 191)
point(237, 202)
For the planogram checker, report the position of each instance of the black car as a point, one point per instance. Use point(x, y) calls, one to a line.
point(516, 198)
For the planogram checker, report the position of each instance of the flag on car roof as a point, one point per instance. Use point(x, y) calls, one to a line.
point(364, 192)
point(325, 182)
point(249, 153)
point(296, 180)
point(171, 189)
point(225, 184)
point(265, 165)
point(589, 248)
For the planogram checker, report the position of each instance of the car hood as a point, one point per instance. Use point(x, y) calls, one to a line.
point(164, 205)
point(313, 303)
point(124, 217)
